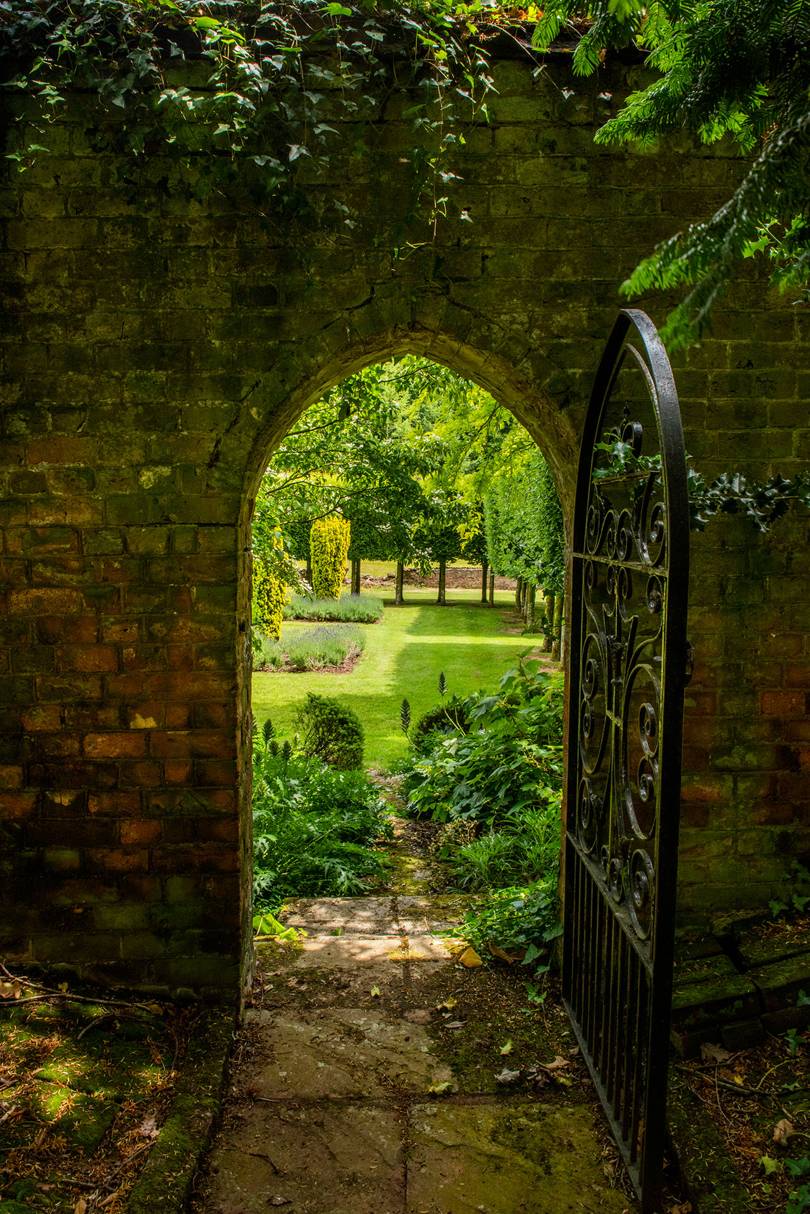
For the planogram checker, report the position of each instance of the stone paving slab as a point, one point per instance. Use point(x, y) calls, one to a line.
point(350, 950)
point(337, 1158)
point(506, 1157)
point(366, 916)
point(340, 1052)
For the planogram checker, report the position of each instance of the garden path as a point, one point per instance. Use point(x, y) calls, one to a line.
point(377, 1074)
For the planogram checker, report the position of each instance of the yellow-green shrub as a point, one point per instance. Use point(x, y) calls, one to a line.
point(329, 540)
point(269, 594)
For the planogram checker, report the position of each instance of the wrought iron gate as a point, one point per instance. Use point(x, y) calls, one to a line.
point(625, 710)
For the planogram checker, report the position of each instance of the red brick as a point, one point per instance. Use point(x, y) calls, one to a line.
point(45, 601)
point(176, 771)
point(118, 859)
point(43, 717)
point(114, 803)
point(140, 830)
point(783, 703)
point(86, 658)
point(131, 745)
point(17, 804)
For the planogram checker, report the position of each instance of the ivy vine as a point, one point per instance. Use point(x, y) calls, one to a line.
point(251, 96)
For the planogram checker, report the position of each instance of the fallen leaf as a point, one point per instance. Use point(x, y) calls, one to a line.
point(782, 1131)
point(448, 1004)
point(507, 1076)
point(503, 955)
point(769, 1165)
point(506, 1048)
point(559, 1064)
point(455, 1024)
point(714, 1053)
point(7, 990)
point(470, 959)
point(375, 992)
point(441, 1087)
point(80, 1206)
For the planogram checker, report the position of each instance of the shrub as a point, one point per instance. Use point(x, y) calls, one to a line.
point(331, 731)
point(312, 827)
point(509, 761)
point(310, 648)
point(269, 593)
point(356, 608)
point(329, 540)
point(525, 850)
point(523, 920)
point(442, 719)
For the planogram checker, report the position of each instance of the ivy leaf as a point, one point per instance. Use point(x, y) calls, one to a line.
point(336, 10)
point(769, 1165)
point(207, 23)
point(296, 151)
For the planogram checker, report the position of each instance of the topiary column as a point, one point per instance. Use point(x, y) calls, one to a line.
point(329, 540)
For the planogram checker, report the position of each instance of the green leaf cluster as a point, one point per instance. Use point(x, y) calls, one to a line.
point(312, 829)
point(726, 69)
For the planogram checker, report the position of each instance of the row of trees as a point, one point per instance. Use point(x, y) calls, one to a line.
point(426, 468)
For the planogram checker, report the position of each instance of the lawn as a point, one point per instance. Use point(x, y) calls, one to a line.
point(404, 654)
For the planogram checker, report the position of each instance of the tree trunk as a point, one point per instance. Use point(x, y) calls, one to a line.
point(355, 576)
point(399, 597)
point(531, 601)
point(492, 589)
point(519, 594)
point(549, 623)
point(556, 646)
point(484, 568)
point(442, 597)
point(308, 570)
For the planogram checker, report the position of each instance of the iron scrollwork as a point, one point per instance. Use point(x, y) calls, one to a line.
point(628, 640)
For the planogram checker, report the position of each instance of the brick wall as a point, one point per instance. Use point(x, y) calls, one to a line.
point(155, 348)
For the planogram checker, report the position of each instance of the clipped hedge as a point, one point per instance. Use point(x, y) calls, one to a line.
point(329, 540)
point(269, 593)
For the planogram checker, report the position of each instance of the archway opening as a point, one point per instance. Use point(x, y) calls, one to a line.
point(445, 523)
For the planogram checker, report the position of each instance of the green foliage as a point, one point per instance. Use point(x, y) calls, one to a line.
point(312, 827)
point(798, 1198)
point(524, 525)
point(329, 540)
point(729, 68)
point(523, 920)
point(269, 594)
point(525, 849)
point(266, 91)
point(762, 502)
point(509, 761)
point(444, 718)
point(356, 608)
point(405, 716)
point(311, 648)
point(331, 731)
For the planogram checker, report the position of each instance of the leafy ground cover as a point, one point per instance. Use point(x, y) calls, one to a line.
point(404, 655)
point(331, 646)
point(493, 784)
point(314, 828)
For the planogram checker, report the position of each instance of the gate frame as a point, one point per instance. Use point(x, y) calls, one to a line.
point(644, 1160)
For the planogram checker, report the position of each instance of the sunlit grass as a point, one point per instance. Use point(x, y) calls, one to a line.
point(404, 655)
